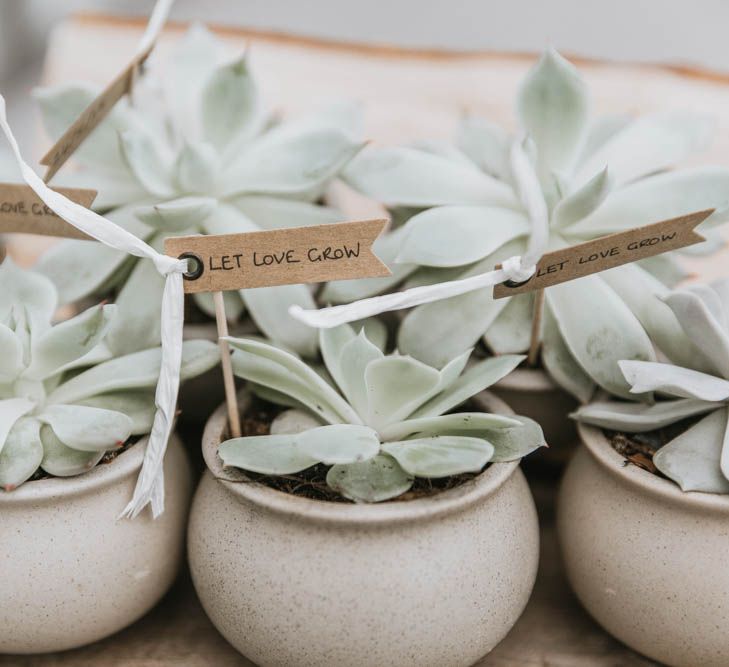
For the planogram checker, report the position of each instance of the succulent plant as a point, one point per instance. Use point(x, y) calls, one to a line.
point(378, 420)
point(64, 402)
point(196, 154)
point(698, 458)
point(464, 215)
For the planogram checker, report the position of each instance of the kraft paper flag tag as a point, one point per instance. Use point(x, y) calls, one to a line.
point(339, 251)
point(23, 211)
point(608, 252)
point(92, 115)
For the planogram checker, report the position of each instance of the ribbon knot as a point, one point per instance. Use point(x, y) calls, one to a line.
point(515, 271)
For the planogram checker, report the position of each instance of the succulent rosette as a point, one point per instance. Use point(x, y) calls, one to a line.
point(197, 153)
point(697, 459)
point(64, 401)
point(379, 420)
point(464, 214)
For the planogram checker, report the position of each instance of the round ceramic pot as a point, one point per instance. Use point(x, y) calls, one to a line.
point(72, 572)
point(295, 582)
point(647, 560)
point(532, 393)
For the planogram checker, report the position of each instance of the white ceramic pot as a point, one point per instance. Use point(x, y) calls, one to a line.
point(296, 582)
point(647, 560)
point(532, 393)
point(72, 573)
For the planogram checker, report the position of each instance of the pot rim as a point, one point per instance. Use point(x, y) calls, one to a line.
point(64, 488)
point(528, 380)
point(388, 512)
point(663, 489)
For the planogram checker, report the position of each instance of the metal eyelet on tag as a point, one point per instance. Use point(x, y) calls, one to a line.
point(199, 266)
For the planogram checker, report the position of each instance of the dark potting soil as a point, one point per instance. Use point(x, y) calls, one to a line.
point(312, 482)
point(639, 448)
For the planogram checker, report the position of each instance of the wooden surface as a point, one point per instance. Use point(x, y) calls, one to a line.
point(553, 631)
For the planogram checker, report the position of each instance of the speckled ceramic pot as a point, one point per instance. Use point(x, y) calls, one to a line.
point(72, 573)
point(532, 393)
point(293, 582)
point(648, 561)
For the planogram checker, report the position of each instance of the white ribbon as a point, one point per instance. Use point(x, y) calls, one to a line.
point(516, 269)
point(150, 484)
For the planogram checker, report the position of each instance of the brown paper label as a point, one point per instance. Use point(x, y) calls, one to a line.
point(22, 211)
point(91, 116)
point(608, 252)
point(340, 251)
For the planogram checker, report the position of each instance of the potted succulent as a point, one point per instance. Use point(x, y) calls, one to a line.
point(462, 214)
point(645, 543)
point(73, 422)
point(434, 559)
point(209, 159)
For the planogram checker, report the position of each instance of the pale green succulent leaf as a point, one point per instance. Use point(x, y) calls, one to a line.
point(486, 144)
point(81, 268)
point(230, 105)
point(11, 410)
point(600, 131)
point(477, 378)
point(510, 332)
point(375, 330)
point(355, 357)
point(599, 330)
point(665, 268)
point(62, 461)
point(227, 219)
point(656, 198)
point(443, 149)
point(137, 324)
point(644, 295)
point(233, 302)
point(177, 215)
point(197, 167)
point(284, 162)
point(269, 308)
point(193, 60)
point(436, 332)
point(386, 247)
point(11, 358)
point(399, 176)
point(279, 213)
point(266, 454)
point(114, 188)
point(281, 371)
point(22, 454)
point(339, 444)
point(375, 480)
point(86, 428)
point(69, 341)
point(139, 406)
point(441, 455)
point(552, 105)
point(701, 327)
point(693, 459)
point(139, 370)
point(35, 292)
point(639, 417)
point(396, 386)
point(583, 201)
point(146, 160)
point(511, 444)
point(446, 236)
point(675, 381)
point(560, 363)
point(61, 105)
point(293, 421)
point(455, 424)
point(649, 144)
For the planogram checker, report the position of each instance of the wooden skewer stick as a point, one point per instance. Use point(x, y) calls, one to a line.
point(228, 380)
point(534, 344)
